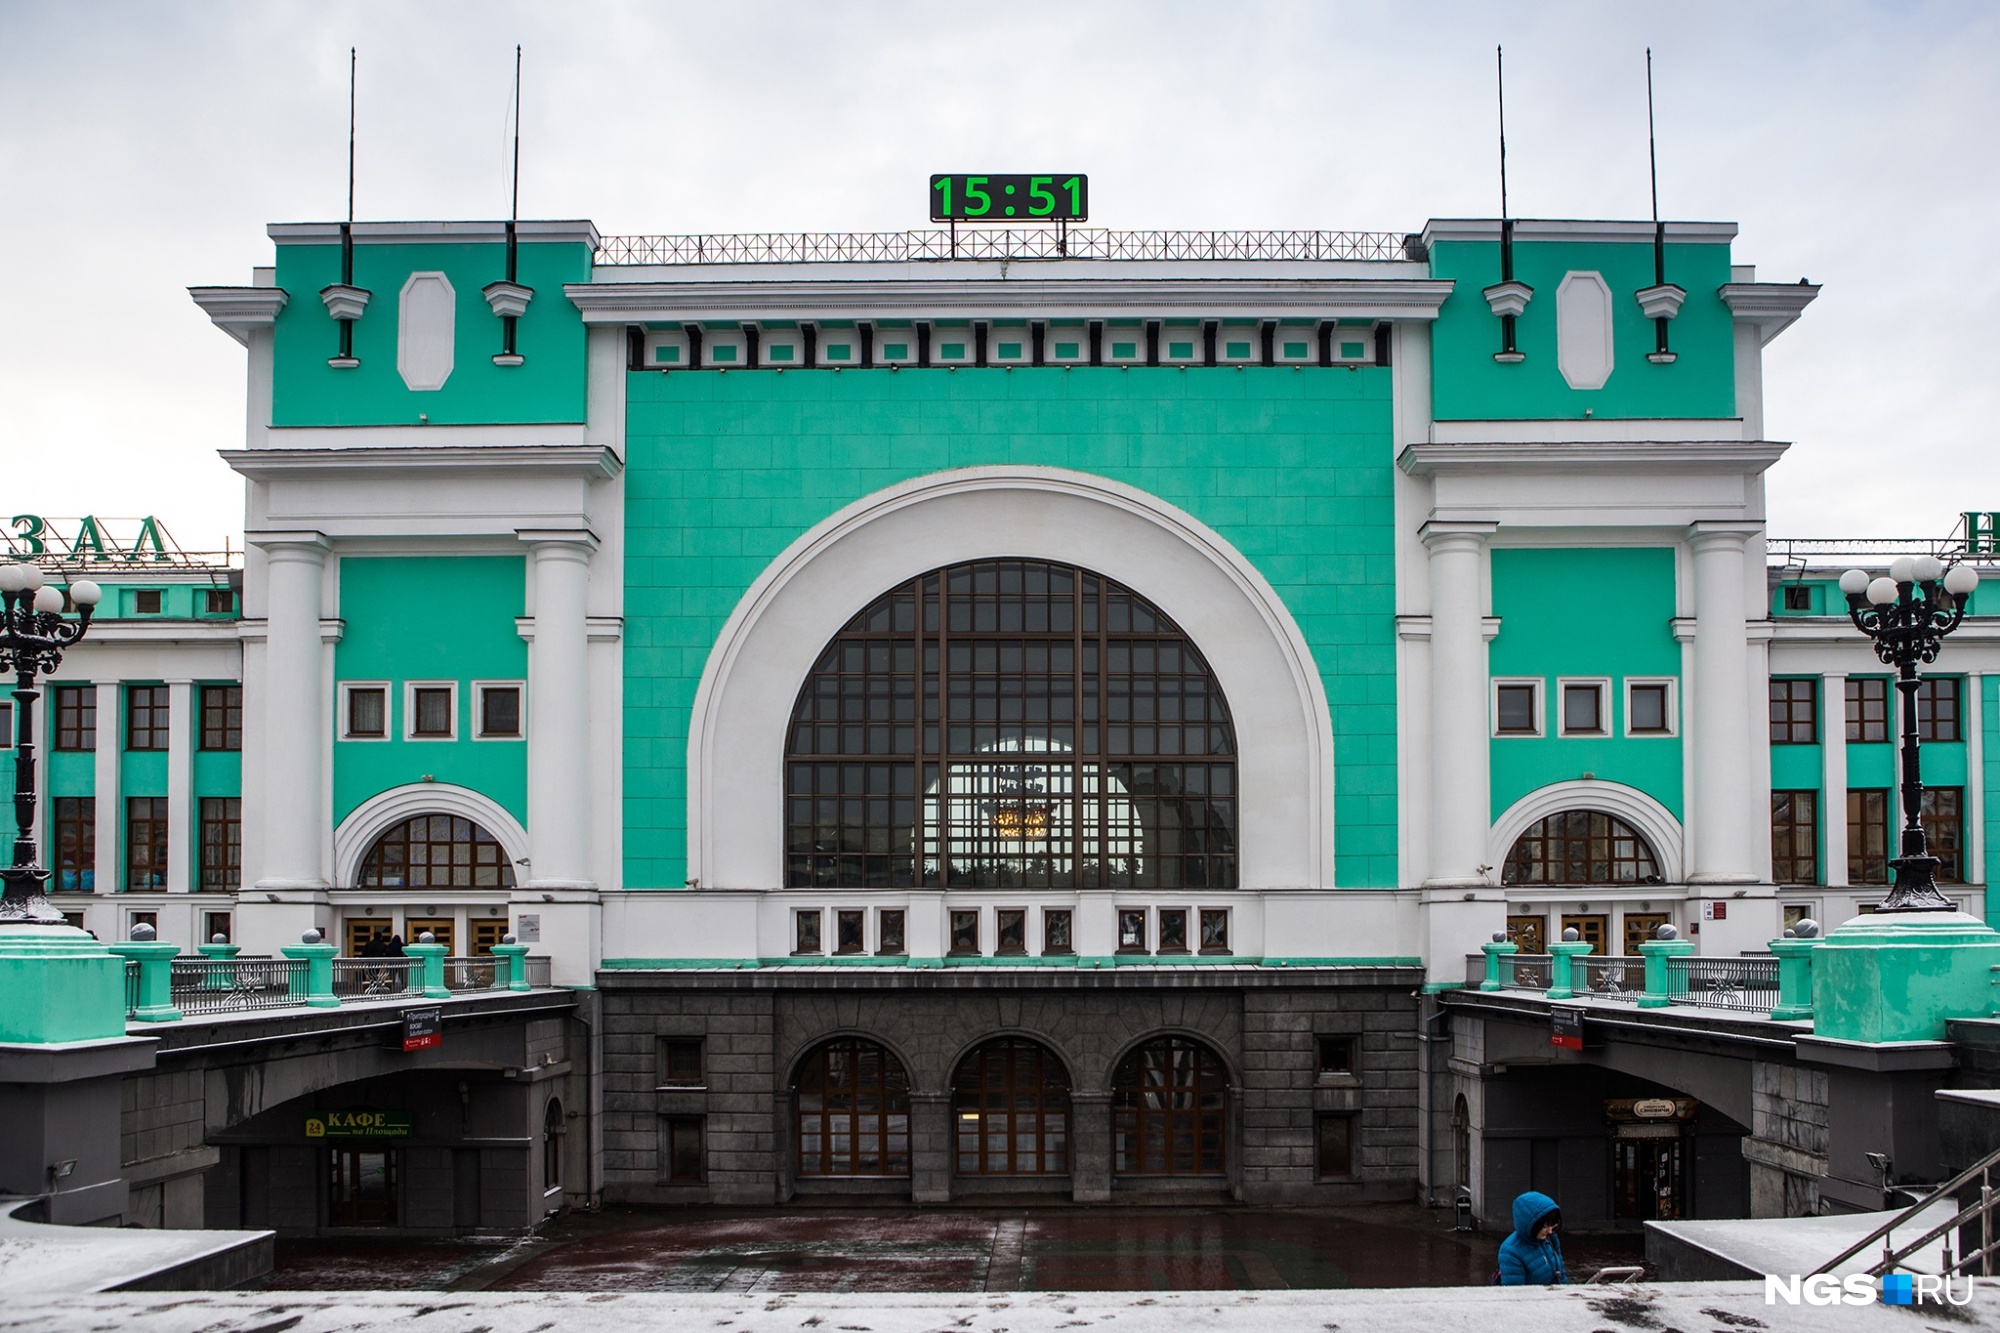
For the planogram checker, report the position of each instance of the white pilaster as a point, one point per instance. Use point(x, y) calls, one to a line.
point(295, 811)
point(108, 798)
point(559, 760)
point(183, 831)
point(1459, 744)
point(1724, 805)
point(1973, 818)
point(1833, 776)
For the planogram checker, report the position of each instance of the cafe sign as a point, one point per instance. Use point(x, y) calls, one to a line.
point(359, 1125)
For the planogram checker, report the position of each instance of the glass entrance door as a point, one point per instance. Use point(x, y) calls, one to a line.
point(1648, 1175)
point(362, 1189)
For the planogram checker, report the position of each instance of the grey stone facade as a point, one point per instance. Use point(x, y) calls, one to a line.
point(1788, 1139)
point(757, 1026)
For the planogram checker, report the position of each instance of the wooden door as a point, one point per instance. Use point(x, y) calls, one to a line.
point(1528, 932)
point(1639, 927)
point(360, 930)
point(414, 929)
point(486, 934)
point(1592, 930)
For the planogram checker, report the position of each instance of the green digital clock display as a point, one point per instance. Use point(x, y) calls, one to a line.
point(1053, 198)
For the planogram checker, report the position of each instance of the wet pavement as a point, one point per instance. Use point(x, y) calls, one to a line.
point(880, 1251)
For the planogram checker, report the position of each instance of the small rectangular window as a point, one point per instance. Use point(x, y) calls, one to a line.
point(1583, 709)
point(431, 709)
point(76, 717)
point(1798, 597)
point(680, 1062)
point(1649, 715)
point(1173, 930)
point(1517, 713)
point(146, 710)
point(951, 352)
point(146, 602)
point(221, 842)
point(805, 936)
point(6, 725)
point(1132, 930)
point(222, 717)
point(1867, 710)
point(500, 711)
point(965, 931)
point(1336, 1055)
point(218, 601)
point(1012, 923)
point(367, 712)
point(1794, 712)
point(1937, 709)
point(840, 351)
point(146, 842)
point(1235, 350)
point(1297, 351)
point(722, 353)
point(1215, 930)
point(1066, 351)
point(1124, 351)
point(685, 1158)
point(847, 930)
point(1336, 1146)
point(1056, 931)
point(1182, 351)
point(215, 927)
point(890, 927)
point(1010, 352)
point(779, 352)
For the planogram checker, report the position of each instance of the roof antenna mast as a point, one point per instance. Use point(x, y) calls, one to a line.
point(1661, 301)
point(514, 207)
point(347, 309)
point(507, 296)
point(1507, 297)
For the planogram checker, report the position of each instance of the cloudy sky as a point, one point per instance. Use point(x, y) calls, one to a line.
point(144, 146)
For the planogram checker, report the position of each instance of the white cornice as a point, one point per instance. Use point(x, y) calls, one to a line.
point(124, 630)
point(589, 461)
point(1590, 431)
point(1564, 229)
point(1748, 457)
point(577, 231)
point(1045, 297)
point(237, 310)
point(1772, 306)
point(425, 437)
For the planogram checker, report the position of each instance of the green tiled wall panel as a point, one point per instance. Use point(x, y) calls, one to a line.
point(1292, 465)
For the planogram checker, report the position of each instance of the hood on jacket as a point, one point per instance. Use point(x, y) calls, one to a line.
point(1531, 1210)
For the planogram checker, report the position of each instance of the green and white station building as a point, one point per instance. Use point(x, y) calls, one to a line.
point(926, 691)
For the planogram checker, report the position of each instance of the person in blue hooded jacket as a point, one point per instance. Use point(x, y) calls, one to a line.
point(1532, 1256)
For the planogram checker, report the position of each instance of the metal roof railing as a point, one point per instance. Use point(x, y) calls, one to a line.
point(991, 243)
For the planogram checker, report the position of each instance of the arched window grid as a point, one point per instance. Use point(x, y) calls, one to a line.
point(853, 1111)
point(1011, 724)
point(1010, 1101)
point(437, 852)
point(1581, 847)
point(1170, 1110)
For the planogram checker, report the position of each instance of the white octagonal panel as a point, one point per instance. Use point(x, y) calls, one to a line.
point(1583, 330)
point(427, 331)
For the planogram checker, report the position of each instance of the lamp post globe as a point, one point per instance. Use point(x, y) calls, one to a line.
point(34, 632)
point(1908, 614)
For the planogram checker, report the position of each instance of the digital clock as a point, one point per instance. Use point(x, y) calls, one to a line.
point(1053, 198)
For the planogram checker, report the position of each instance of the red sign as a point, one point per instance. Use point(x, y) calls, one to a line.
point(422, 1029)
point(1566, 1028)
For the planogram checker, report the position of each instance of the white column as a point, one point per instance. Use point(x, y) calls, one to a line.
point(109, 800)
point(1724, 804)
point(1459, 743)
point(1973, 819)
point(293, 796)
point(559, 710)
point(1833, 776)
point(183, 833)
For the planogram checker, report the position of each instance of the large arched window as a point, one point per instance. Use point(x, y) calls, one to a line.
point(1010, 1103)
point(853, 1111)
point(437, 852)
point(1581, 847)
point(1169, 1109)
point(1011, 724)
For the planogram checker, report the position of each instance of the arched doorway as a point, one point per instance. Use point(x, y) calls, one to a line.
point(853, 1110)
point(1011, 724)
point(1170, 1110)
point(1011, 1110)
point(436, 851)
point(553, 1128)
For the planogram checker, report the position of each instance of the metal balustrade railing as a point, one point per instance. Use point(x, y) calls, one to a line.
point(1611, 978)
point(1953, 1231)
point(376, 978)
point(131, 987)
point(1526, 971)
point(221, 986)
point(470, 973)
point(969, 242)
point(538, 971)
point(1724, 983)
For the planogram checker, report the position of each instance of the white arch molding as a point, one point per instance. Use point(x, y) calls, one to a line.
point(743, 706)
point(1653, 821)
point(384, 810)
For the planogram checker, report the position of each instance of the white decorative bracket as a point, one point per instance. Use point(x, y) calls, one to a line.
point(1663, 301)
point(344, 302)
point(1508, 298)
point(508, 299)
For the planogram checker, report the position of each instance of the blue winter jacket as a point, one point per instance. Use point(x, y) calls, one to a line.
point(1525, 1261)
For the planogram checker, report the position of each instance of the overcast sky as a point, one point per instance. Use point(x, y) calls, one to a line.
point(143, 147)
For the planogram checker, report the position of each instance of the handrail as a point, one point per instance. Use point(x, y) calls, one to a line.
point(1984, 1164)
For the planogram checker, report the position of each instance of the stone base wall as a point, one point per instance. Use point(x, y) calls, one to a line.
point(756, 1028)
point(1787, 1145)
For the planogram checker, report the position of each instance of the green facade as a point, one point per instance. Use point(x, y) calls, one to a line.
point(1628, 632)
point(548, 387)
point(431, 619)
point(1468, 384)
point(1290, 465)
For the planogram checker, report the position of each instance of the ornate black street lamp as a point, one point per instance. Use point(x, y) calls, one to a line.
point(1907, 614)
point(33, 634)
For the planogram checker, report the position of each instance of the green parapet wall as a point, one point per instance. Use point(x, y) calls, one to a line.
point(1289, 464)
point(1468, 384)
point(59, 985)
point(1902, 976)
